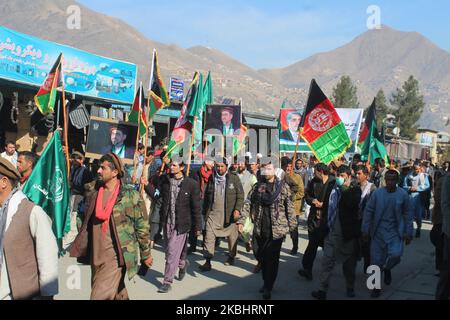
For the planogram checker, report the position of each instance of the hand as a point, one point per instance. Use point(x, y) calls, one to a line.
point(149, 262)
point(241, 228)
point(413, 189)
point(198, 233)
point(144, 181)
point(236, 215)
point(133, 179)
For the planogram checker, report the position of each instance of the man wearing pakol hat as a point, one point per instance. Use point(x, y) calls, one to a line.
point(28, 247)
point(114, 229)
point(119, 135)
point(224, 198)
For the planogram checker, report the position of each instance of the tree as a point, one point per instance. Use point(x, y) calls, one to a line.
point(409, 105)
point(382, 108)
point(344, 94)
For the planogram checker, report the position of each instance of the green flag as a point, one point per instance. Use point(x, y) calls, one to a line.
point(373, 147)
point(208, 90)
point(48, 187)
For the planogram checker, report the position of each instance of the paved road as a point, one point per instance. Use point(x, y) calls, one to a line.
point(413, 279)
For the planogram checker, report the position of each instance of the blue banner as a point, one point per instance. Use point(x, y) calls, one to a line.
point(176, 89)
point(27, 59)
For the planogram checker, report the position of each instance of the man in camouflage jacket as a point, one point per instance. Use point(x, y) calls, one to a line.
point(114, 253)
point(272, 211)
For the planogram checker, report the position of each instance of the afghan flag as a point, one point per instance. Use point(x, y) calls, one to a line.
point(365, 131)
point(183, 127)
point(48, 187)
point(159, 98)
point(322, 128)
point(138, 114)
point(46, 96)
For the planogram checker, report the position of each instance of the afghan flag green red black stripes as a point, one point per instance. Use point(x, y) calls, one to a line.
point(138, 114)
point(46, 96)
point(322, 128)
point(159, 98)
point(365, 131)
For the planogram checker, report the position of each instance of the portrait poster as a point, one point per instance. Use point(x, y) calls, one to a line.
point(111, 136)
point(226, 119)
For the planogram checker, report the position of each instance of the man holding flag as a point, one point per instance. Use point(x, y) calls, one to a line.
point(28, 248)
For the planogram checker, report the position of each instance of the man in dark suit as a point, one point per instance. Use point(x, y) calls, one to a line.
point(291, 134)
point(119, 135)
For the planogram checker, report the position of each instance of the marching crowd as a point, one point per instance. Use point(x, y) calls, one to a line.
point(353, 211)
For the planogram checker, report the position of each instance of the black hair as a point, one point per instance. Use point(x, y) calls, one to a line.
point(392, 173)
point(323, 168)
point(363, 169)
point(10, 142)
point(29, 156)
point(344, 169)
point(285, 161)
point(141, 146)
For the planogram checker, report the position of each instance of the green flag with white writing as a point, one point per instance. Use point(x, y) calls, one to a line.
point(48, 187)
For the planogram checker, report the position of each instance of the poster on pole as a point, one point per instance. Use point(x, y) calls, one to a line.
point(176, 89)
point(352, 119)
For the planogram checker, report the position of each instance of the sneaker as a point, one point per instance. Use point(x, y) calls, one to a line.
point(294, 251)
point(182, 272)
point(350, 293)
point(267, 294)
point(229, 262)
point(165, 288)
point(319, 295)
point(387, 277)
point(305, 274)
point(375, 293)
point(248, 247)
point(206, 267)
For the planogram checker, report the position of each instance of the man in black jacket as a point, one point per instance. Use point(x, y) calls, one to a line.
point(343, 232)
point(223, 202)
point(317, 196)
point(180, 212)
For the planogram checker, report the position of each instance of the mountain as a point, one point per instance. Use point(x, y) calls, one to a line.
point(376, 59)
point(380, 59)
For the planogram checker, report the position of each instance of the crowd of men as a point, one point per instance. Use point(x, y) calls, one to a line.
point(351, 210)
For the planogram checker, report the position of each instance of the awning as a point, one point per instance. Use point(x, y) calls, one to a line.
point(256, 122)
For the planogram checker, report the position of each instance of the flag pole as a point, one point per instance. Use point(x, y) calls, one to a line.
point(191, 144)
point(66, 141)
point(150, 121)
point(296, 147)
point(139, 129)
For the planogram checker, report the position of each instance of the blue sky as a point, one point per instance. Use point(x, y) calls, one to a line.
point(273, 33)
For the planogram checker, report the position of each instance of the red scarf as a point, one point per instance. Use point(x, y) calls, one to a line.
point(104, 214)
point(204, 179)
